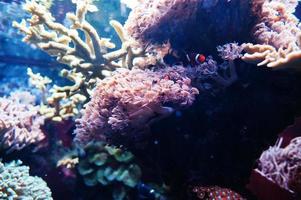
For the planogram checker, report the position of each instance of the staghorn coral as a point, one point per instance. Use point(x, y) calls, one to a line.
point(16, 183)
point(278, 34)
point(61, 104)
point(20, 122)
point(88, 55)
point(281, 164)
point(130, 100)
point(110, 167)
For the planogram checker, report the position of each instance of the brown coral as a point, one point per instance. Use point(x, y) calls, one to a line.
point(130, 100)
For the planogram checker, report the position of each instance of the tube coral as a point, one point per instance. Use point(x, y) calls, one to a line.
point(16, 183)
point(130, 100)
point(278, 33)
point(20, 123)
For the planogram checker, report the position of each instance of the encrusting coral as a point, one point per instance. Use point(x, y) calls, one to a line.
point(16, 183)
point(20, 123)
point(130, 100)
point(278, 33)
point(88, 56)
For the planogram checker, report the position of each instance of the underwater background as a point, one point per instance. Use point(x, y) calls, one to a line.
point(150, 99)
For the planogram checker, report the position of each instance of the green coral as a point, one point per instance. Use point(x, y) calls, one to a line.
point(17, 184)
point(109, 166)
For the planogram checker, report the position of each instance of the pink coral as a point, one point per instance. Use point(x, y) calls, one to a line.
point(151, 19)
point(210, 74)
point(20, 123)
point(230, 51)
point(277, 25)
point(280, 164)
point(130, 100)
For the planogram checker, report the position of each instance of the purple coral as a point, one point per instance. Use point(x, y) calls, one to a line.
point(230, 51)
point(20, 123)
point(189, 25)
point(277, 26)
point(281, 164)
point(130, 100)
point(210, 73)
point(151, 19)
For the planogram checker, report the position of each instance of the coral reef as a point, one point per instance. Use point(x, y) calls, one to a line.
point(16, 183)
point(88, 57)
point(278, 33)
point(105, 132)
point(281, 165)
point(20, 122)
point(130, 100)
point(189, 25)
point(109, 166)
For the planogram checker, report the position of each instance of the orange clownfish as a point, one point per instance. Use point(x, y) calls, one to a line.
point(184, 58)
point(195, 59)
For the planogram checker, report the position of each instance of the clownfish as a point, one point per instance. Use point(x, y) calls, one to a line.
point(195, 58)
point(186, 59)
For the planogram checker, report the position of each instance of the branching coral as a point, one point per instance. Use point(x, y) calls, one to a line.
point(130, 100)
point(80, 47)
point(281, 164)
point(61, 104)
point(16, 183)
point(278, 33)
point(20, 122)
